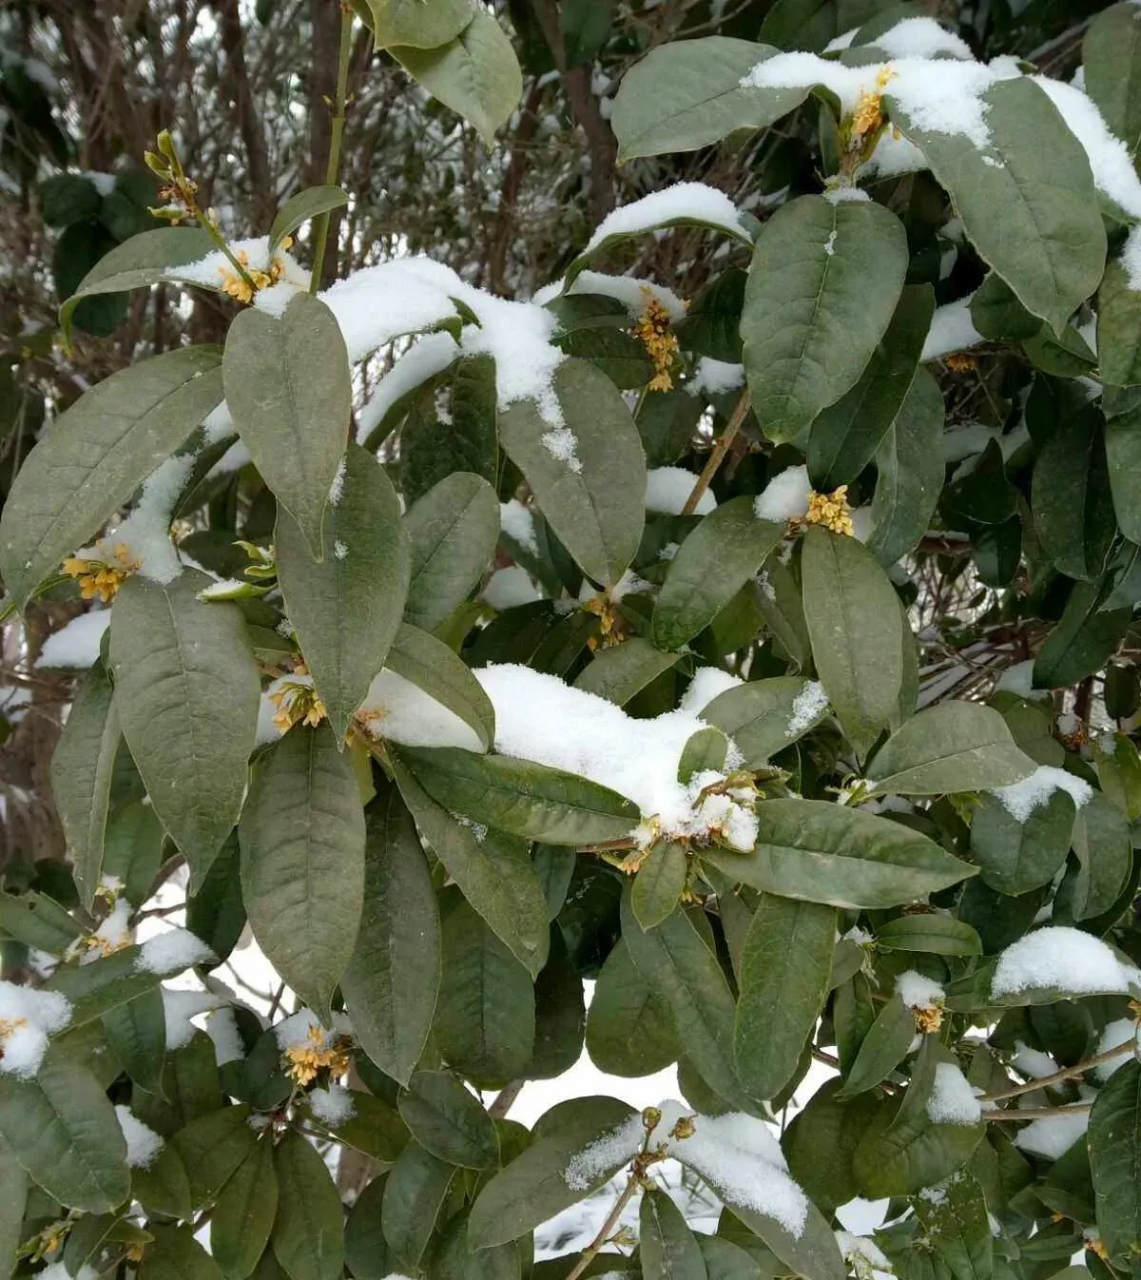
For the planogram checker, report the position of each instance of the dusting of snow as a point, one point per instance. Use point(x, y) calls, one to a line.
point(807, 707)
point(668, 490)
point(171, 952)
point(685, 201)
point(77, 643)
point(918, 992)
point(1020, 799)
point(146, 531)
point(921, 38)
point(518, 522)
point(830, 243)
point(179, 1007)
point(1061, 958)
point(716, 377)
point(27, 1017)
point(400, 711)
point(1122, 1031)
point(421, 362)
point(952, 1099)
point(952, 329)
point(337, 488)
point(304, 1029)
point(332, 1106)
point(510, 587)
point(845, 194)
point(222, 1028)
point(1019, 679)
point(785, 497)
point(862, 1254)
point(218, 424)
point(839, 43)
point(669, 551)
point(112, 934)
point(340, 550)
point(1131, 259)
point(560, 443)
point(707, 684)
point(143, 1144)
point(224, 589)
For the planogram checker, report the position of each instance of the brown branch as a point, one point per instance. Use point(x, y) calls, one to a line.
point(1037, 1113)
point(606, 1230)
point(720, 449)
point(505, 1099)
point(1067, 1073)
point(249, 121)
point(497, 257)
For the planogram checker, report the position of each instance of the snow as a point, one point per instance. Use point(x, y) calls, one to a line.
point(58, 1271)
point(146, 531)
point(1032, 1062)
point(921, 38)
point(1019, 679)
point(400, 711)
point(1054, 1136)
point(171, 952)
point(684, 201)
point(377, 304)
point(222, 1028)
point(918, 992)
point(853, 1248)
point(76, 644)
point(179, 1007)
point(294, 1032)
point(841, 42)
point(332, 1106)
point(830, 243)
point(1061, 958)
point(276, 298)
point(668, 490)
point(1020, 799)
point(707, 684)
point(539, 718)
point(785, 497)
point(112, 934)
point(213, 269)
point(952, 329)
point(421, 362)
point(846, 195)
point(808, 705)
point(1123, 1031)
point(716, 377)
point(560, 443)
point(27, 1017)
point(952, 1099)
point(1131, 259)
point(340, 550)
point(735, 1153)
point(143, 1144)
point(632, 291)
point(1112, 168)
point(518, 522)
point(218, 424)
point(507, 588)
point(337, 488)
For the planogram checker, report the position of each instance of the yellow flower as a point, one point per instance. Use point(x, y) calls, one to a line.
point(103, 574)
point(319, 1054)
point(242, 288)
point(868, 114)
point(831, 510)
point(611, 626)
point(928, 1018)
point(50, 1239)
point(961, 363)
point(297, 701)
point(655, 329)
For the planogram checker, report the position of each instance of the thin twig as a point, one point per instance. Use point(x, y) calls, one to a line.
point(505, 1099)
point(1038, 1113)
point(720, 449)
point(1067, 1073)
point(606, 1230)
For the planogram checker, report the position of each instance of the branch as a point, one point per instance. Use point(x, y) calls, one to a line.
point(249, 122)
point(1067, 1073)
point(337, 132)
point(1038, 1113)
point(720, 449)
point(505, 1099)
point(606, 1230)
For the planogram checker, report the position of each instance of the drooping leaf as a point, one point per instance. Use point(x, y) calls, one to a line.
point(244, 1215)
point(414, 1193)
point(1114, 1151)
point(660, 882)
point(393, 978)
point(1110, 53)
point(815, 310)
point(187, 692)
point(448, 1121)
point(213, 1146)
point(1083, 639)
point(176, 1255)
point(629, 1027)
point(216, 913)
point(288, 387)
point(96, 455)
point(13, 1198)
point(346, 607)
point(1103, 848)
point(831, 1126)
point(1123, 453)
point(1073, 511)
point(303, 838)
point(456, 1258)
point(763, 717)
point(669, 1250)
point(136, 1035)
point(308, 1232)
point(300, 208)
point(1016, 857)
point(560, 1014)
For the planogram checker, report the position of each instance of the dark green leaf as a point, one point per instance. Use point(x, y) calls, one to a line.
point(668, 1250)
point(212, 1147)
point(430, 665)
point(1111, 54)
point(1016, 857)
point(308, 1233)
point(629, 1027)
point(448, 1121)
point(136, 1033)
point(765, 716)
point(176, 1255)
point(414, 1193)
point(617, 674)
point(245, 1213)
point(1081, 642)
point(659, 884)
point(1115, 1155)
point(301, 208)
point(1073, 509)
point(938, 934)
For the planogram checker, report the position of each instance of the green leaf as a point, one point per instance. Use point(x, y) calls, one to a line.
point(103, 984)
point(485, 1014)
point(1102, 844)
point(244, 1215)
point(187, 692)
point(1114, 1142)
point(391, 983)
point(824, 282)
point(823, 852)
point(1123, 450)
point(846, 436)
point(688, 94)
point(476, 73)
point(298, 209)
point(37, 921)
point(432, 666)
point(96, 455)
point(593, 497)
point(683, 972)
point(704, 751)
point(812, 24)
point(414, 1194)
point(957, 1226)
point(81, 770)
point(13, 1197)
point(585, 26)
point(953, 746)
point(617, 674)
point(1027, 199)
point(726, 549)
point(432, 449)
point(448, 1121)
point(669, 1250)
point(132, 845)
point(785, 969)
point(374, 1128)
point(288, 387)
point(416, 23)
point(163, 1188)
point(456, 1259)
point(308, 1235)
point(1014, 856)
point(852, 614)
point(533, 1187)
point(136, 1034)
point(1073, 510)
point(303, 836)
point(937, 934)
point(726, 1261)
point(190, 1088)
point(629, 1027)
point(452, 532)
point(493, 871)
point(62, 1129)
point(659, 884)
point(140, 261)
point(560, 1014)
point(762, 717)
point(366, 1250)
point(821, 1140)
point(909, 471)
point(523, 798)
point(212, 1147)
point(1111, 54)
point(1082, 641)
point(1118, 318)
point(176, 1255)
point(346, 607)
point(216, 913)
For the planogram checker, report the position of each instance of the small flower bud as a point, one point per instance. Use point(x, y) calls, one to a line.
point(651, 1118)
point(685, 1128)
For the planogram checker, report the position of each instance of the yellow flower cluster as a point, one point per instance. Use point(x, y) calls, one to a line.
point(610, 621)
point(104, 574)
point(306, 1060)
point(868, 114)
point(50, 1239)
point(239, 287)
point(928, 1018)
point(655, 329)
point(961, 363)
point(295, 702)
point(831, 510)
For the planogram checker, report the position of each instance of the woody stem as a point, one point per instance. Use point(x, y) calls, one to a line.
point(720, 449)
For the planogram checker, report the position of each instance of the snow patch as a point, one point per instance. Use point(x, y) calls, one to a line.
point(518, 522)
point(684, 201)
point(27, 1017)
point(952, 329)
point(918, 992)
point(171, 952)
point(1062, 958)
point(143, 1144)
point(668, 490)
point(1020, 799)
point(333, 1106)
point(400, 711)
point(952, 1099)
point(808, 705)
point(707, 684)
point(785, 497)
point(510, 587)
point(715, 377)
point(77, 643)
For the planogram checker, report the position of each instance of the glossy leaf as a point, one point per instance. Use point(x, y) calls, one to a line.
point(244, 1215)
point(308, 1235)
point(448, 1121)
